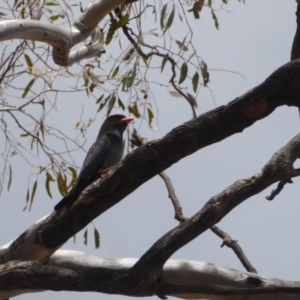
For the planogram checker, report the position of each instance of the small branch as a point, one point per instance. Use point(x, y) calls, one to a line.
point(138, 141)
point(233, 244)
point(172, 195)
point(279, 188)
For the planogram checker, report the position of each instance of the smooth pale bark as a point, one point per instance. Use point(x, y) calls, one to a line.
point(77, 271)
point(62, 40)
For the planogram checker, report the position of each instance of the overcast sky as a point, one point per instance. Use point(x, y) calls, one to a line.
point(254, 40)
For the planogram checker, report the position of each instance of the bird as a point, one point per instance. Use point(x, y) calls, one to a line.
point(102, 156)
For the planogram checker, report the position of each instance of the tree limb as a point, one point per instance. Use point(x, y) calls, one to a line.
point(77, 271)
point(63, 40)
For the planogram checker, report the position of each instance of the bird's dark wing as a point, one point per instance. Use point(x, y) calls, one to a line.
point(93, 161)
point(95, 157)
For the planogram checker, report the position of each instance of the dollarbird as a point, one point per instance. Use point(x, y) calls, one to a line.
point(102, 156)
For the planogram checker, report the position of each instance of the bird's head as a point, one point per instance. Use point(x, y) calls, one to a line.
point(115, 124)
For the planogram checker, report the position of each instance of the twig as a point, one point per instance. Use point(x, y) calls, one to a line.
point(137, 140)
point(280, 186)
point(233, 244)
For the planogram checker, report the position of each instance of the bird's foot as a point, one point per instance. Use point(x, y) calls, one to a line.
point(102, 172)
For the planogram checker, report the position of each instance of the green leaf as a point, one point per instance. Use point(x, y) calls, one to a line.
point(85, 236)
point(74, 176)
point(121, 104)
point(134, 110)
point(92, 86)
point(115, 72)
point(192, 100)
point(183, 72)
point(150, 115)
point(29, 63)
point(204, 73)
point(54, 18)
point(215, 19)
point(51, 3)
point(112, 29)
point(195, 81)
point(162, 16)
point(33, 193)
point(9, 178)
point(175, 94)
point(111, 104)
point(28, 87)
point(99, 99)
point(103, 103)
point(123, 21)
point(97, 238)
point(170, 19)
point(182, 46)
point(165, 59)
point(49, 178)
point(62, 187)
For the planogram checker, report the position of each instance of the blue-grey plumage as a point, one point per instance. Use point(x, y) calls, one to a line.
point(104, 153)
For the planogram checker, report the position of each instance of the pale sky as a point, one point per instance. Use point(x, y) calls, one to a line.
point(254, 40)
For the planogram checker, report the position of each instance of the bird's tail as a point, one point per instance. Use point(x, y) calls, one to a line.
point(64, 202)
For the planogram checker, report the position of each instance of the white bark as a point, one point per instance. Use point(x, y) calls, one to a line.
point(177, 272)
point(62, 40)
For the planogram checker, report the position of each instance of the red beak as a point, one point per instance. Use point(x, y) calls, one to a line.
point(127, 120)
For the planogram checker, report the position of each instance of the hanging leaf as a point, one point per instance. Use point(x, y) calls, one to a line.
point(33, 193)
point(192, 100)
point(162, 16)
point(9, 178)
point(62, 187)
point(195, 81)
point(121, 104)
point(115, 72)
point(49, 178)
point(215, 19)
point(54, 17)
point(197, 7)
point(112, 29)
point(165, 59)
point(204, 73)
point(123, 21)
point(85, 236)
point(182, 46)
point(29, 63)
point(170, 19)
point(99, 99)
point(103, 103)
point(183, 72)
point(111, 104)
point(175, 94)
point(28, 87)
point(134, 110)
point(74, 176)
point(97, 238)
point(150, 115)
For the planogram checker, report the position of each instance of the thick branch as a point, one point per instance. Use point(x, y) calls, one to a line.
point(77, 271)
point(281, 88)
point(63, 40)
point(279, 167)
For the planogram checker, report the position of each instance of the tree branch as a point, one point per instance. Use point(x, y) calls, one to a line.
point(77, 271)
point(233, 244)
point(63, 40)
